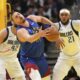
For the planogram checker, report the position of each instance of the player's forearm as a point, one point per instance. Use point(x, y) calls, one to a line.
point(46, 21)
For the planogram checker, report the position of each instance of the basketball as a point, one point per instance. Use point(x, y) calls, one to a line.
point(53, 35)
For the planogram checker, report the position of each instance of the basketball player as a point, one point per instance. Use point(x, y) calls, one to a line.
point(30, 36)
point(9, 47)
point(70, 47)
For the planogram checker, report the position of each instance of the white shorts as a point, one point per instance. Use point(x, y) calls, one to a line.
point(14, 68)
point(64, 64)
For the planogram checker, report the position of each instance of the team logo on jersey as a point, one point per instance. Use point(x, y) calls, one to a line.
point(69, 33)
point(66, 34)
point(35, 29)
point(15, 44)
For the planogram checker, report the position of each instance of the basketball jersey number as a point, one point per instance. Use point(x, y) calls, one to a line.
point(71, 39)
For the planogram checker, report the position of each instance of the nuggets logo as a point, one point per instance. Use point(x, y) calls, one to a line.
point(35, 30)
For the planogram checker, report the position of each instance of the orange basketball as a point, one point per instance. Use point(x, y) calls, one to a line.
point(53, 34)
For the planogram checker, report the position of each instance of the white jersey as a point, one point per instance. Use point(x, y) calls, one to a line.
point(71, 40)
point(11, 46)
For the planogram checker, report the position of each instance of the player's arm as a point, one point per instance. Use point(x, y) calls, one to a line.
point(40, 19)
point(24, 36)
point(3, 35)
point(51, 31)
point(43, 20)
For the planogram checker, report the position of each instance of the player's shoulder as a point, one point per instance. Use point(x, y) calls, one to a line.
point(4, 31)
point(57, 25)
point(31, 16)
point(76, 21)
point(4, 34)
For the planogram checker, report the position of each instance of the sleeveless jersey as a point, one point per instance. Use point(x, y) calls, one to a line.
point(35, 49)
point(71, 40)
point(10, 46)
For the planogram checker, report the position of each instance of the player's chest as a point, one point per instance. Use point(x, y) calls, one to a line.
point(66, 31)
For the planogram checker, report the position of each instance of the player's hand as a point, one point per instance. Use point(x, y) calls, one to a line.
point(60, 43)
point(42, 33)
point(51, 31)
point(47, 32)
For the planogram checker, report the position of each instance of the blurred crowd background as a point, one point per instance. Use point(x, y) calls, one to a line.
point(48, 8)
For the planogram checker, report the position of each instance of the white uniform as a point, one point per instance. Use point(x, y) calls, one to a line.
point(8, 54)
point(70, 54)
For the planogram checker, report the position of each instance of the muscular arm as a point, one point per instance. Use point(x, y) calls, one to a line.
point(24, 36)
point(51, 30)
point(43, 20)
point(40, 19)
point(3, 35)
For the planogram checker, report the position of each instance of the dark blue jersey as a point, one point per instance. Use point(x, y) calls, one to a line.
point(35, 49)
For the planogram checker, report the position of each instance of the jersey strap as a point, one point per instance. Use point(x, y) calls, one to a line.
point(76, 32)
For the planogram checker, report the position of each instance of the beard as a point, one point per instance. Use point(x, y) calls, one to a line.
point(65, 23)
point(22, 20)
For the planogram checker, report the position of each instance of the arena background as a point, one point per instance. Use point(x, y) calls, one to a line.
point(47, 8)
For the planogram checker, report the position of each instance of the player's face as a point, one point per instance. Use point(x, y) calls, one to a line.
point(18, 18)
point(64, 17)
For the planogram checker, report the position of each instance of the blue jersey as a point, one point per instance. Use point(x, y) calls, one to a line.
point(35, 49)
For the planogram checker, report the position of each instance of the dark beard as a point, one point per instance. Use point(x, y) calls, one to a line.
point(23, 20)
point(65, 23)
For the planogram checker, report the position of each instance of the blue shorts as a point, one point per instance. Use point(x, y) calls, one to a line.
point(36, 63)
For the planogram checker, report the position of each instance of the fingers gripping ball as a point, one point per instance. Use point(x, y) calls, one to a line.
point(53, 34)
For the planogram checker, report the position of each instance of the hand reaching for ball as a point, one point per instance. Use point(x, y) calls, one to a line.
point(52, 34)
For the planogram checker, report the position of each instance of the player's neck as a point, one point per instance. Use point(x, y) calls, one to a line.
point(66, 23)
